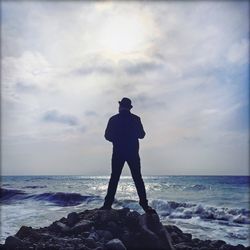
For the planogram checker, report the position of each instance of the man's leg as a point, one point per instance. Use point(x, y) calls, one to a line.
point(117, 165)
point(135, 168)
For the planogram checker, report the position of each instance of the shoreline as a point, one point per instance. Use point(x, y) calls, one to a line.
point(115, 229)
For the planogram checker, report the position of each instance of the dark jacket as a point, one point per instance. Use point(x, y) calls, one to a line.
point(124, 130)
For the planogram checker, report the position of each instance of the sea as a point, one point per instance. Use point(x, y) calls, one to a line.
point(208, 207)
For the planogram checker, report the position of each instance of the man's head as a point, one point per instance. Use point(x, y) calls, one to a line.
point(125, 104)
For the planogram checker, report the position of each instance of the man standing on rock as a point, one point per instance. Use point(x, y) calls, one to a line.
point(123, 130)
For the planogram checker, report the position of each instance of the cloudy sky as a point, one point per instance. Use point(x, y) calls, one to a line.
point(66, 64)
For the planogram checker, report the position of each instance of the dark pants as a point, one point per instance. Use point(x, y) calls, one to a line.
point(135, 168)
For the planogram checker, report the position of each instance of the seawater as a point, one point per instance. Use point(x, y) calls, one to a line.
point(208, 207)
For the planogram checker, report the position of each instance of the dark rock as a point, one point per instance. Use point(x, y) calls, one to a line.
point(90, 242)
point(72, 219)
point(239, 247)
point(24, 232)
point(187, 237)
point(132, 219)
point(172, 228)
point(107, 235)
point(58, 226)
point(123, 212)
point(106, 216)
point(207, 248)
point(153, 223)
point(107, 230)
point(227, 247)
point(217, 243)
point(82, 226)
point(115, 244)
point(157, 239)
point(175, 237)
point(182, 246)
point(112, 226)
point(13, 242)
point(94, 235)
point(196, 241)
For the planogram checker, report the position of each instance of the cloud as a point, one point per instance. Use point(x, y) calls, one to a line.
point(188, 80)
point(133, 68)
point(94, 64)
point(239, 52)
point(26, 87)
point(54, 116)
point(90, 113)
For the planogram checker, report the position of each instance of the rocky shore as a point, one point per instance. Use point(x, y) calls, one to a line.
point(110, 230)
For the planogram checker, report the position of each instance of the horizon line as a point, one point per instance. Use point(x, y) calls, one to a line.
point(127, 175)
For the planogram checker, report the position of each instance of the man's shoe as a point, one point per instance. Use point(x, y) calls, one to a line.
point(105, 207)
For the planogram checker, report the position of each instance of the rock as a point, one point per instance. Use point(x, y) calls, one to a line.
point(155, 235)
point(94, 235)
point(240, 247)
point(107, 235)
point(13, 242)
point(24, 232)
point(115, 244)
point(90, 242)
point(175, 229)
point(123, 212)
point(112, 227)
point(106, 230)
point(132, 219)
point(82, 226)
point(227, 247)
point(187, 237)
point(182, 246)
point(106, 216)
point(59, 227)
point(217, 243)
point(72, 219)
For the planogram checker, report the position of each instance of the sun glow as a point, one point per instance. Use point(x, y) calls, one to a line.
point(124, 34)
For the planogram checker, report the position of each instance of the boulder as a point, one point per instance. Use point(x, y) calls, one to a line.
point(58, 226)
point(82, 226)
point(115, 244)
point(132, 219)
point(217, 243)
point(110, 230)
point(90, 242)
point(105, 234)
point(72, 219)
point(24, 232)
point(13, 242)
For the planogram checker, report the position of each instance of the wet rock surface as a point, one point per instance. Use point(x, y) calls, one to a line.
point(110, 230)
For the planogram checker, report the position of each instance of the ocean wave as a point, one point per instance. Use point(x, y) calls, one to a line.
point(9, 194)
point(35, 186)
point(196, 187)
point(65, 199)
point(58, 198)
point(182, 210)
point(180, 187)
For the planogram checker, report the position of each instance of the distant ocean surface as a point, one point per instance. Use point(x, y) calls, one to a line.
point(208, 207)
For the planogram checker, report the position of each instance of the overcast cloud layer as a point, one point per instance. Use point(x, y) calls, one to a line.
point(65, 65)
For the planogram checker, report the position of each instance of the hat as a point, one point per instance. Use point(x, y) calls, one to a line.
point(126, 103)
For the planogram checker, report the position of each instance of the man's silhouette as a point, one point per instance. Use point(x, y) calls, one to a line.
point(123, 130)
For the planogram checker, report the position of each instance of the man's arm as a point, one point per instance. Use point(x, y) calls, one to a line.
point(141, 132)
point(108, 132)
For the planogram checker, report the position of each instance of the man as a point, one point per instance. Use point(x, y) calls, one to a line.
point(123, 130)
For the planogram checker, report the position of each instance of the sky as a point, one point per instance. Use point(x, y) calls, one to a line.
point(66, 64)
